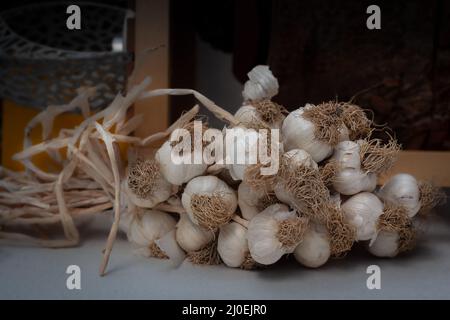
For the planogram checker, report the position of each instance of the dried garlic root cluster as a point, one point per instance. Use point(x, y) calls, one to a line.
point(317, 205)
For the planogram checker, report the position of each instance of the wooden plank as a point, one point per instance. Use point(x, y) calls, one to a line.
point(152, 30)
point(424, 165)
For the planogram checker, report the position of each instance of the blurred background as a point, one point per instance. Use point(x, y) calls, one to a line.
point(318, 50)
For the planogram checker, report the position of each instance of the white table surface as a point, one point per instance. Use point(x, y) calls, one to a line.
point(39, 273)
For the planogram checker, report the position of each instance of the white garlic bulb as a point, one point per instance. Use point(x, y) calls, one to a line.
point(249, 116)
point(145, 185)
point(249, 200)
point(266, 239)
point(191, 237)
point(351, 181)
point(232, 244)
point(314, 250)
point(296, 157)
point(145, 229)
point(346, 154)
point(402, 189)
point(261, 84)
point(179, 173)
point(299, 133)
point(209, 201)
point(349, 178)
point(245, 145)
point(385, 245)
point(362, 212)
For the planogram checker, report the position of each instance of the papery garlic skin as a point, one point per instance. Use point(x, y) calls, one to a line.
point(232, 244)
point(207, 185)
point(147, 228)
point(349, 178)
point(248, 115)
point(385, 245)
point(178, 173)
point(301, 157)
point(261, 84)
point(314, 250)
point(246, 140)
point(162, 192)
point(352, 181)
point(298, 157)
point(191, 237)
point(299, 133)
point(362, 212)
point(249, 200)
point(346, 154)
point(402, 189)
point(264, 246)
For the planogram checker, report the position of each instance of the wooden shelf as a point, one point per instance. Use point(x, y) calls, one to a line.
point(424, 165)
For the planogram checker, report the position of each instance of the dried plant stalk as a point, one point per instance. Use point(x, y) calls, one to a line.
point(218, 112)
point(182, 121)
point(115, 226)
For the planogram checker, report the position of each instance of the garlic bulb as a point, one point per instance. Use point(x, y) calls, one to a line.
point(261, 84)
point(349, 178)
point(252, 201)
point(346, 154)
point(295, 158)
point(245, 145)
point(209, 201)
point(351, 181)
point(191, 237)
point(362, 212)
point(145, 185)
point(274, 232)
point(402, 189)
point(179, 173)
point(300, 133)
point(261, 114)
point(393, 239)
point(314, 250)
point(396, 232)
point(145, 229)
point(232, 244)
point(385, 245)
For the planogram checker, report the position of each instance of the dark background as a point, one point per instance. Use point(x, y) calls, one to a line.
point(321, 50)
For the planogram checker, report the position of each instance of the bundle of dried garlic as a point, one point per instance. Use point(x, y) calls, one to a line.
point(212, 212)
